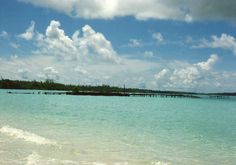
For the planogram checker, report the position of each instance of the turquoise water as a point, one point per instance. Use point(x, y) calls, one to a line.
point(84, 130)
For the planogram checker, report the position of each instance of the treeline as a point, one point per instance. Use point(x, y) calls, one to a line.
point(51, 85)
point(47, 85)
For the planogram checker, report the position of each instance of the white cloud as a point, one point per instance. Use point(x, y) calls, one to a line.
point(75, 36)
point(3, 34)
point(29, 33)
point(50, 70)
point(161, 74)
point(108, 9)
point(185, 76)
point(90, 46)
point(43, 67)
point(55, 41)
point(207, 65)
point(158, 37)
point(50, 73)
point(97, 44)
point(134, 43)
point(225, 41)
point(86, 57)
point(89, 58)
point(64, 6)
point(184, 10)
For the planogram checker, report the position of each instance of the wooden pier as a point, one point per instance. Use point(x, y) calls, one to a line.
point(94, 93)
point(122, 94)
point(218, 97)
point(166, 95)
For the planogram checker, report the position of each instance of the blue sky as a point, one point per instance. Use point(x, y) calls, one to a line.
point(153, 44)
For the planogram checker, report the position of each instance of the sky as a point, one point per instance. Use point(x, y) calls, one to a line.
point(183, 45)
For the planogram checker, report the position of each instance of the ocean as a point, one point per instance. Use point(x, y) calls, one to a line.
point(86, 130)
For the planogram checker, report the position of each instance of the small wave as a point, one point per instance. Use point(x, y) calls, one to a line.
point(33, 159)
point(27, 136)
point(159, 163)
point(124, 163)
point(36, 159)
point(98, 163)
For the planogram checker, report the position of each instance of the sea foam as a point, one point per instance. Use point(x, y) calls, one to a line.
point(159, 163)
point(36, 159)
point(27, 136)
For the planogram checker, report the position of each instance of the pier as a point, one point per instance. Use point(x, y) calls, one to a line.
point(218, 97)
point(122, 94)
point(166, 95)
point(94, 93)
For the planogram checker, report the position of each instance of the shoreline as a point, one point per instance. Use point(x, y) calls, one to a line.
point(121, 94)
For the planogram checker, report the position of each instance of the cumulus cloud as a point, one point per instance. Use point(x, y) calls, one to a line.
point(29, 33)
point(158, 37)
point(87, 57)
point(184, 10)
point(50, 73)
point(3, 34)
point(89, 46)
point(207, 65)
point(225, 41)
point(186, 76)
point(161, 74)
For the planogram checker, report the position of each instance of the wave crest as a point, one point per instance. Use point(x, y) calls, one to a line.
point(35, 159)
point(159, 163)
point(27, 136)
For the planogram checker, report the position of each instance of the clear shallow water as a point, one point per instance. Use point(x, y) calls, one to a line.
point(84, 130)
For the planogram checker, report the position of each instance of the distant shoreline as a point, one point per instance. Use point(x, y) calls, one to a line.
point(91, 93)
point(103, 90)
